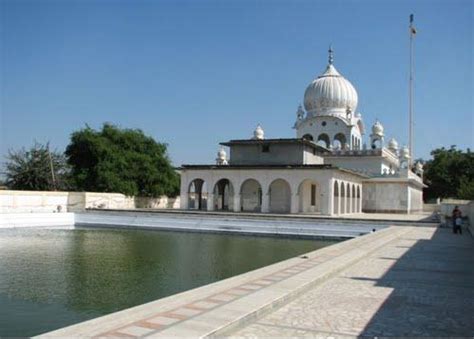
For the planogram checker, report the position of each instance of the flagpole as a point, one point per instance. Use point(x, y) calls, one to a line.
point(410, 95)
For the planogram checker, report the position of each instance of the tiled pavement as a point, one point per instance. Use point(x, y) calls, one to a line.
point(419, 285)
point(399, 281)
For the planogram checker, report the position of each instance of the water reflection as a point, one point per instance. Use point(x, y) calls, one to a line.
point(50, 278)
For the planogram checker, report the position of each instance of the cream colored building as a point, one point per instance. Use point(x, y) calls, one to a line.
point(327, 169)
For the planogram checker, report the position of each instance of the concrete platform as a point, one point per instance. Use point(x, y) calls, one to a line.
point(419, 285)
point(401, 281)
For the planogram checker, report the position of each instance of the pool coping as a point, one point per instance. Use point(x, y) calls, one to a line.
point(214, 309)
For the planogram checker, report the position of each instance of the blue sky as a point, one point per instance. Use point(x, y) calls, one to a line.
point(194, 73)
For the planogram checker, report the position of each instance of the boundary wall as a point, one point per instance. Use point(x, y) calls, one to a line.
point(16, 220)
point(45, 201)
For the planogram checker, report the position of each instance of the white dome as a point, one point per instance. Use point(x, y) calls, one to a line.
point(221, 155)
point(393, 144)
point(377, 128)
point(330, 94)
point(258, 134)
point(405, 152)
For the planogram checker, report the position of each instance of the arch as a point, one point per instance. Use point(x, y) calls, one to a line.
point(308, 195)
point(308, 136)
point(339, 141)
point(324, 140)
point(223, 195)
point(336, 198)
point(359, 201)
point(353, 199)
point(348, 197)
point(279, 193)
point(197, 194)
point(251, 196)
point(343, 198)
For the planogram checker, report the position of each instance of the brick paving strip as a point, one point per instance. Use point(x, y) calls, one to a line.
point(219, 307)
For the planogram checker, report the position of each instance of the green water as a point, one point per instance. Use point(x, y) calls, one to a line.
point(51, 278)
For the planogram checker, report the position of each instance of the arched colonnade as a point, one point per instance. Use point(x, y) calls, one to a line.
point(277, 196)
point(347, 197)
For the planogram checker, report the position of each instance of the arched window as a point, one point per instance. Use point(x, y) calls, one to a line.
point(336, 197)
point(308, 136)
point(323, 140)
point(339, 141)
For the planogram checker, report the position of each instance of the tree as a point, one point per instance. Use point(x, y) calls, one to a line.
point(120, 160)
point(450, 174)
point(36, 169)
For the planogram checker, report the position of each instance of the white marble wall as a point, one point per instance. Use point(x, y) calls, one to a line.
point(15, 220)
point(38, 201)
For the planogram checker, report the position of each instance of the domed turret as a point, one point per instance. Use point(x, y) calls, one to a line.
point(377, 128)
point(419, 166)
point(330, 93)
point(221, 157)
point(405, 153)
point(393, 144)
point(377, 136)
point(258, 134)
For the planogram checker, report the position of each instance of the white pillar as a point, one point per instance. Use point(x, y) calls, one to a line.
point(294, 203)
point(265, 203)
point(183, 200)
point(210, 201)
point(183, 197)
point(330, 197)
point(236, 206)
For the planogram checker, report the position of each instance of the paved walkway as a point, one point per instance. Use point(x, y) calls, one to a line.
point(421, 284)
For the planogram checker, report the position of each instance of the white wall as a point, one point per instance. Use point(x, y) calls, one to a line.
point(30, 201)
point(39, 201)
point(14, 220)
point(385, 197)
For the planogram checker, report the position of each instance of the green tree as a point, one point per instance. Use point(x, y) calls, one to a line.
point(450, 174)
point(120, 160)
point(37, 169)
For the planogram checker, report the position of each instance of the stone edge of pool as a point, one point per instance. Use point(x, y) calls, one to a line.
point(214, 309)
point(271, 226)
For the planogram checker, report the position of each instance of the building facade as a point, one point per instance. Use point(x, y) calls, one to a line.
point(326, 169)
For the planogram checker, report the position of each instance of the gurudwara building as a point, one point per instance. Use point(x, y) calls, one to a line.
point(326, 169)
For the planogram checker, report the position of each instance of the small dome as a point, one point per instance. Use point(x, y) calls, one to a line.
point(419, 166)
point(222, 155)
point(377, 128)
point(405, 152)
point(258, 134)
point(393, 144)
